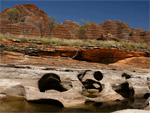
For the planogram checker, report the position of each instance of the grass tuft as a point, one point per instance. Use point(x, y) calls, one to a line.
point(72, 42)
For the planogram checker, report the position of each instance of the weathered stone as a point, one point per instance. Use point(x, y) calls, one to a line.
point(148, 104)
point(140, 87)
point(127, 76)
point(53, 81)
point(17, 90)
point(71, 79)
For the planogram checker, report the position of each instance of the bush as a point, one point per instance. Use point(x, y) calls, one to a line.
point(33, 45)
point(23, 40)
point(2, 44)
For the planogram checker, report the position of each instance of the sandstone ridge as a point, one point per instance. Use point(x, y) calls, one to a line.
point(108, 30)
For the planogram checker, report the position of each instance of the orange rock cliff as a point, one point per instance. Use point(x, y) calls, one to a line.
point(108, 30)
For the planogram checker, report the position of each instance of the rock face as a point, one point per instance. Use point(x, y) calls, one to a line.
point(105, 55)
point(77, 88)
point(108, 30)
point(91, 53)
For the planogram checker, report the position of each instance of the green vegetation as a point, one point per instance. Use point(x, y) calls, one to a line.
point(13, 14)
point(24, 40)
point(82, 29)
point(33, 45)
point(80, 43)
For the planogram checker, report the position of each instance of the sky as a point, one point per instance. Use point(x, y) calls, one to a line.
point(133, 12)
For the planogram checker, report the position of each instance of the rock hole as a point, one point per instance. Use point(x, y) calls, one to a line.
point(91, 84)
point(50, 81)
point(81, 75)
point(48, 102)
point(124, 90)
point(118, 100)
point(89, 101)
point(127, 76)
point(98, 75)
point(98, 104)
point(146, 96)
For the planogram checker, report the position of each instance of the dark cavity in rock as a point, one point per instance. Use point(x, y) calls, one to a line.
point(81, 75)
point(98, 75)
point(50, 81)
point(127, 76)
point(88, 84)
point(124, 90)
point(146, 96)
point(48, 102)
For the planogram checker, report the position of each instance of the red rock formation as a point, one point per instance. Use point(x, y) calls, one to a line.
point(106, 55)
point(108, 30)
point(146, 37)
point(109, 27)
point(71, 26)
point(94, 31)
point(135, 61)
point(123, 30)
point(93, 55)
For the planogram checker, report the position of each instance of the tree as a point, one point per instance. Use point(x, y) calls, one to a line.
point(82, 29)
point(41, 26)
point(51, 23)
point(13, 14)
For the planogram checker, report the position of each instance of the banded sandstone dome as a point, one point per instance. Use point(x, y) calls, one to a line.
point(108, 30)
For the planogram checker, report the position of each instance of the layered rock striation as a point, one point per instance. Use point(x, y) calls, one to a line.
point(108, 30)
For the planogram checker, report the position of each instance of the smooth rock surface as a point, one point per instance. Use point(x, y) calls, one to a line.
point(24, 82)
point(131, 111)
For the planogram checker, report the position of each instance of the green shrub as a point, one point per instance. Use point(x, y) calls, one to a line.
point(2, 44)
point(24, 40)
point(33, 45)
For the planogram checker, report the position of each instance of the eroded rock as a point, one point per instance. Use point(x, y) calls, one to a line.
point(17, 90)
point(76, 88)
point(52, 81)
point(140, 87)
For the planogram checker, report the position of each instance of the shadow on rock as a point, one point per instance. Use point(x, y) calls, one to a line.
point(48, 101)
